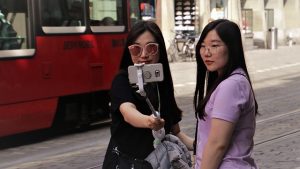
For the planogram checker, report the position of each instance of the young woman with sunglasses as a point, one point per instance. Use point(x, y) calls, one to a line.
point(224, 100)
point(132, 122)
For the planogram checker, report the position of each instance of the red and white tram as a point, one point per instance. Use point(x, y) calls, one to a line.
point(57, 60)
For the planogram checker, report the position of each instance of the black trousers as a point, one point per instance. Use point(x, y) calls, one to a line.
point(115, 159)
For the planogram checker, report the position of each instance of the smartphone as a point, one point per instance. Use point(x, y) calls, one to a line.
point(151, 73)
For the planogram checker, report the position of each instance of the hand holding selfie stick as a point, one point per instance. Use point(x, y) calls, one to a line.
point(159, 134)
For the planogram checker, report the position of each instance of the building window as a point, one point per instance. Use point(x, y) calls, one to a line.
point(217, 9)
point(247, 21)
point(269, 13)
point(185, 15)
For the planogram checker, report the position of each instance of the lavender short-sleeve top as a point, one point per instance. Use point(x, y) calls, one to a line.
point(232, 101)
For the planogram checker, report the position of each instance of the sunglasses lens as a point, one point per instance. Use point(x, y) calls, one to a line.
point(135, 50)
point(151, 48)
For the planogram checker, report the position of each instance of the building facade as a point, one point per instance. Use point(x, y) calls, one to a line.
point(255, 17)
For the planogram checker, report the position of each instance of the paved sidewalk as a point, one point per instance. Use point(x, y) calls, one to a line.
point(284, 54)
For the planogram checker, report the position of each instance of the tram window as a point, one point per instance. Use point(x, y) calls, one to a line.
point(135, 13)
point(59, 16)
point(107, 16)
point(13, 26)
point(51, 13)
point(147, 9)
point(75, 14)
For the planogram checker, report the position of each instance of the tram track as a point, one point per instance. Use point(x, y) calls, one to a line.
point(277, 117)
point(292, 132)
point(283, 136)
point(95, 167)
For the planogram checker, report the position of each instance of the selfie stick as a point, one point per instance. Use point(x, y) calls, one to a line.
point(159, 134)
point(142, 92)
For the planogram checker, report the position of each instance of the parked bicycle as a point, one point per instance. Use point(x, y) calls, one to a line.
point(182, 48)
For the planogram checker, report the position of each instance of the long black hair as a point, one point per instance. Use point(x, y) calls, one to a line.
point(230, 34)
point(166, 86)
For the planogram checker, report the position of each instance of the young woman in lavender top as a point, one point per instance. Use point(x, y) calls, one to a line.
point(224, 100)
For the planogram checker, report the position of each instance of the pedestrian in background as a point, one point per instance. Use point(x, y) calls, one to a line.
point(224, 100)
point(132, 119)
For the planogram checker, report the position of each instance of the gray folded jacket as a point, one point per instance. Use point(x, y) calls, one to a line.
point(170, 154)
